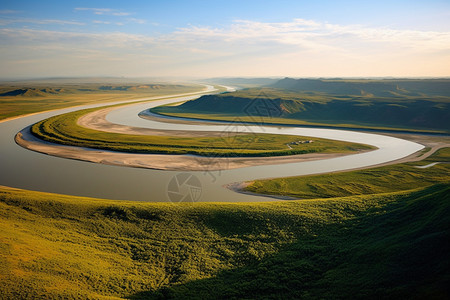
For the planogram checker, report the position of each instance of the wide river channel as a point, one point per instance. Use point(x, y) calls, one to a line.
point(30, 170)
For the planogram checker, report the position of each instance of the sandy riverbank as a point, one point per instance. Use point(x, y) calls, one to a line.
point(159, 161)
point(97, 121)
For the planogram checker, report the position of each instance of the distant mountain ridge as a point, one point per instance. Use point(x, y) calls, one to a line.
point(380, 88)
point(418, 104)
point(41, 92)
point(243, 82)
point(31, 92)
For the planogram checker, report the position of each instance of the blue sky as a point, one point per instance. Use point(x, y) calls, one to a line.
point(224, 38)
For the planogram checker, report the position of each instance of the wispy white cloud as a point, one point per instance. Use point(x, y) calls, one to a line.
point(104, 11)
point(74, 40)
point(8, 11)
point(318, 36)
point(296, 48)
point(138, 21)
point(100, 22)
point(40, 21)
point(112, 12)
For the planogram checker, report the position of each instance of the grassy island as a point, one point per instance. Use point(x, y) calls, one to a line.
point(63, 129)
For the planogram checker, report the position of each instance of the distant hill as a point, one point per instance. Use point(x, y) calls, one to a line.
point(416, 104)
point(380, 88)
point(31, 92)
point(242, 82)
point(20, 98)
point(46, 91)
point(130, 87)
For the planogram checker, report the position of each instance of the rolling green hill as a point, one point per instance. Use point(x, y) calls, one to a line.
point(377, 246)
point(30, 97)
point(422, 105)
point(378, 88)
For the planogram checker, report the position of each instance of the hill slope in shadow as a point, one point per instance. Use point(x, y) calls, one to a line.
point(386, 245)
point(408, 104)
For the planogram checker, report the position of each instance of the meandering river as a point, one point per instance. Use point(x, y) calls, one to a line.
point(26, 169)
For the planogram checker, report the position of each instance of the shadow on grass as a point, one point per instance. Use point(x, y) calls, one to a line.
point(401, 251)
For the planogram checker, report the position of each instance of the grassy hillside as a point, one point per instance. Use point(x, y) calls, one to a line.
point(417, 105)
point(24, 98)
point(370, 181)
point(368, 88)
point(389, 245)
point(63, 129)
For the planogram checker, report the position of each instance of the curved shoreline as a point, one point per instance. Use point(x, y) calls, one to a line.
point(148, 114)
point(97, 120)
point(239, 187)
point(213, 182)
point(160, 161)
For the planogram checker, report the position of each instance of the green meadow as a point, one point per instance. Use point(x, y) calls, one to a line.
point(392, 245)
point(63, 129)
point(369, 181)
point(27, 98)
point(380, 233)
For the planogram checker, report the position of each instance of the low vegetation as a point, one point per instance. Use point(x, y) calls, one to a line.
point(63, 129)
point(388, 245)
point(25, 98)
point(370, 181)
point(372, 234)
point(408, 105)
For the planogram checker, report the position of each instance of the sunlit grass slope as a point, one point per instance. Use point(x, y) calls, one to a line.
point(370, 181)
point(396, 245)
point(25, 98)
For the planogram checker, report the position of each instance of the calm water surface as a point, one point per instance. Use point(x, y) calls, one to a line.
point(26, 169)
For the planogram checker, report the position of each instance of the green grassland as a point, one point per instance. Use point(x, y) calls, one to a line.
point(182, 112)
point(392, 245)
point(370, 181)
point(408, 105)
point(25, 98)
point(63, 129)
point(371, 234)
